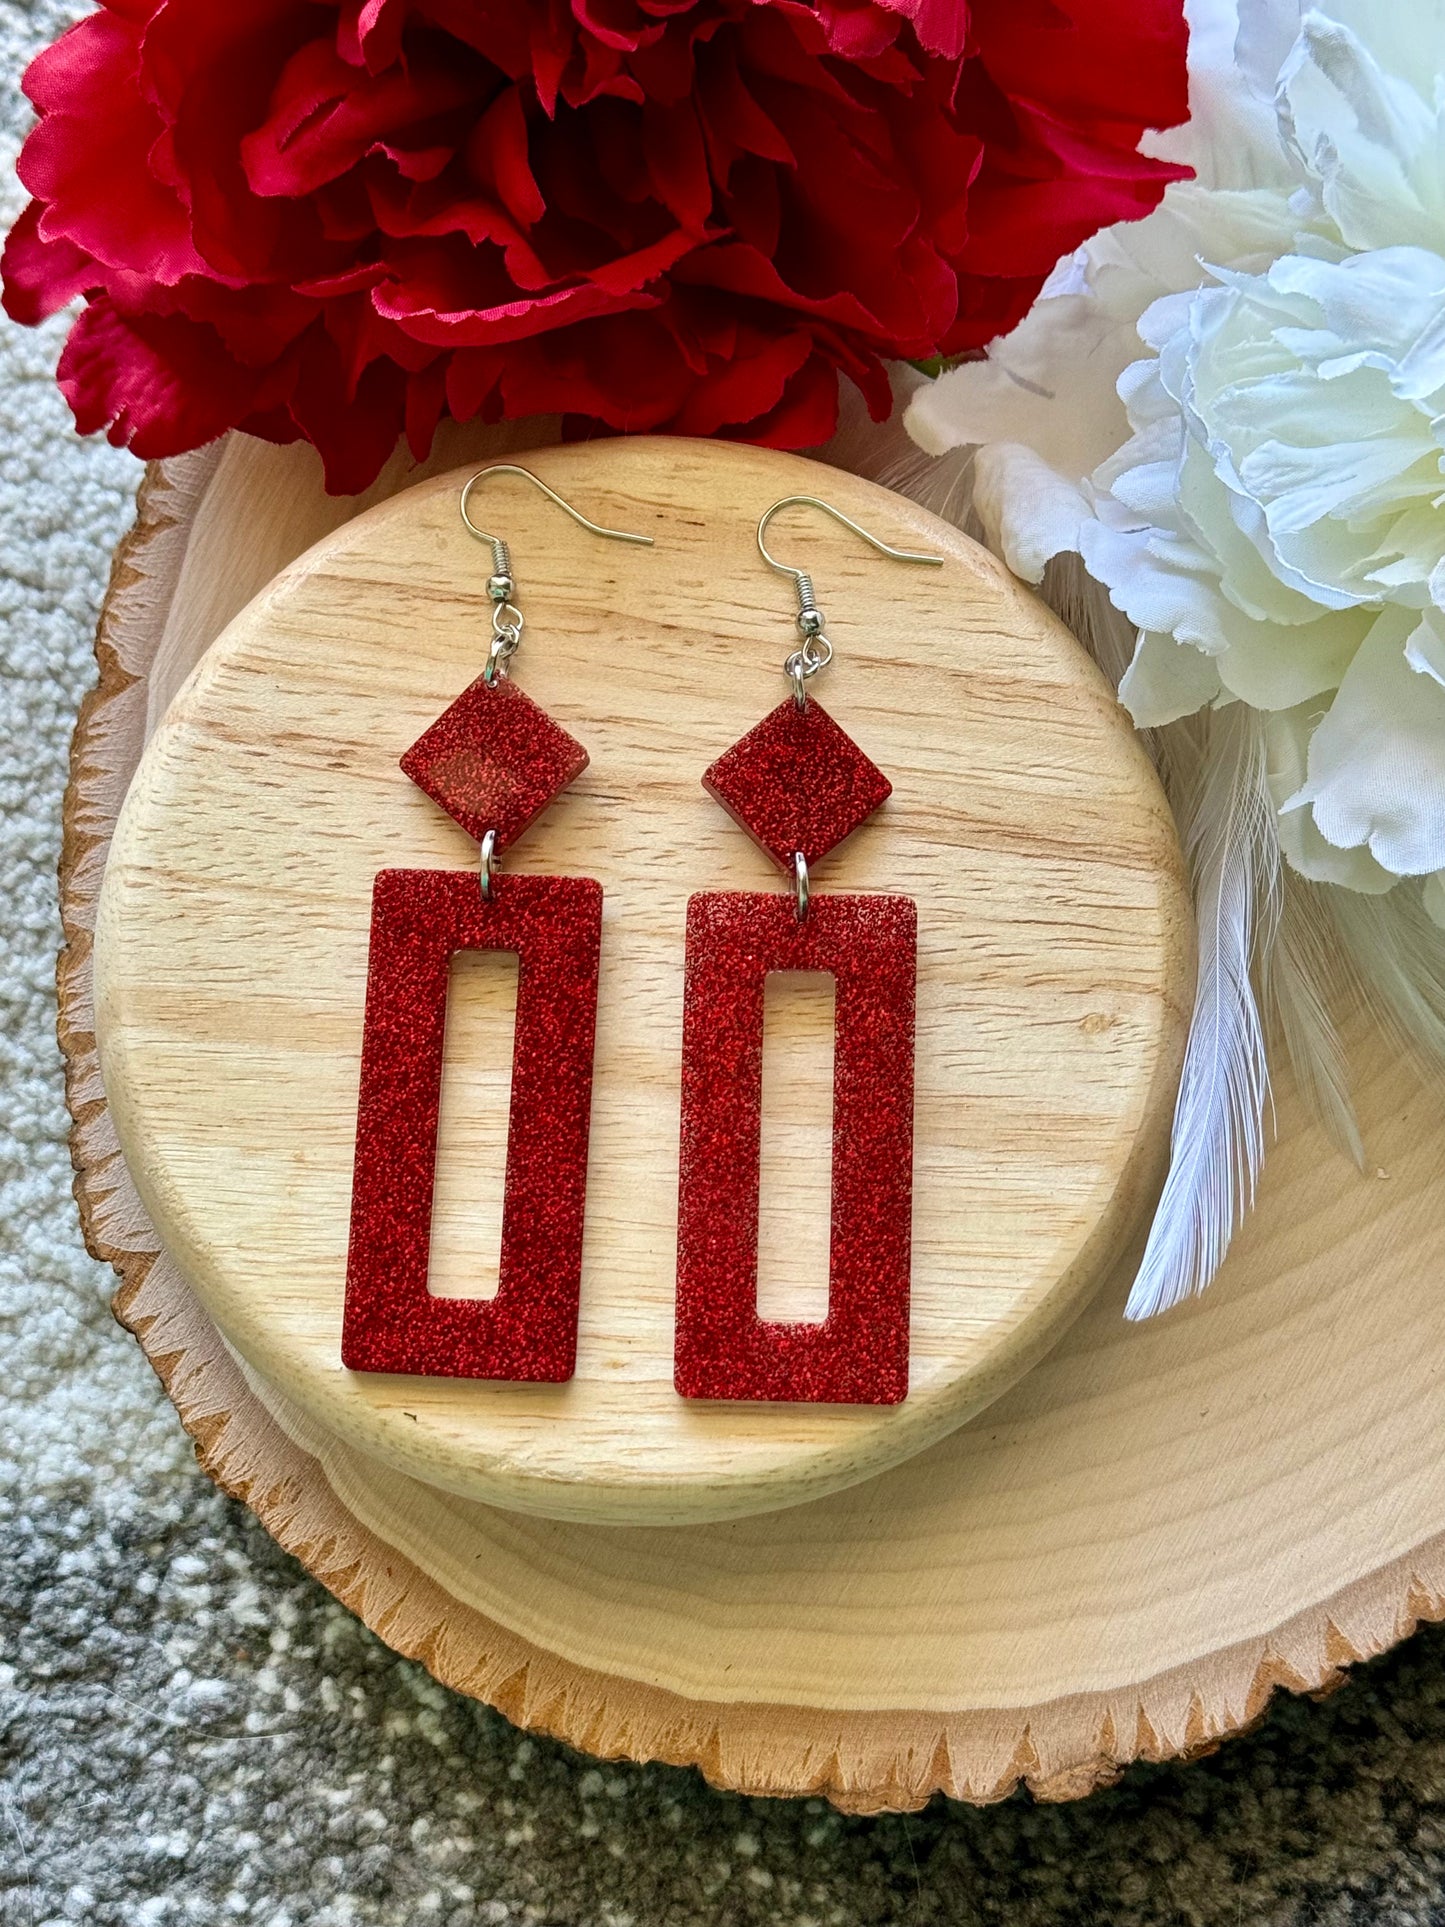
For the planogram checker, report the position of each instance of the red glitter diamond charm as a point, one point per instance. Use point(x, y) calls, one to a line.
point(392, 1322)
point(797, 782)
point(859, 1354)
point(494, 760)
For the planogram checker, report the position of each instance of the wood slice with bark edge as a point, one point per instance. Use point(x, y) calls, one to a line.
point(1322, 1516)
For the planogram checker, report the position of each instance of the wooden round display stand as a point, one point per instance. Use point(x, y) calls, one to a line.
point(1120, 1559)
point(1053, 959)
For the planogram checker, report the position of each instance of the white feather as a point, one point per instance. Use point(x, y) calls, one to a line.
point(1217, 1143)
point(1397, 955)
point(1297, 965)
point(1302, 980)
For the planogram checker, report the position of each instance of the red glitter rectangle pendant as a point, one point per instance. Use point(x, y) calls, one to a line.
point(392, 1323)
point(859, 1354)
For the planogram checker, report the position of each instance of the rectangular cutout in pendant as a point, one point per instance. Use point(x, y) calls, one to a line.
point(473, 1125)
point(795, 1201)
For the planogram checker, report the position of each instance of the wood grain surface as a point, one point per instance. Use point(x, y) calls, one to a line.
point(1122, 1559)
point(1053, 978)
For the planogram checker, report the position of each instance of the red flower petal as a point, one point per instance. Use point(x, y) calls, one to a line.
point(40, 275)
point(162, 384)
point(340, 218)
point(497, 156)
point(88, 161)
point(324, 119)
point(941, 25)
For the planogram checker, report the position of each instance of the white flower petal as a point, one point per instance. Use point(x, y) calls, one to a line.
point(1273, 667)
point(1397, 35)
point(1214, 514)
point(1166, 680)
point(1308, 852)
point(1420, 374)
point(1213, 33)
point(1365, 135)
point(1267, 31)
point(1148, 490)
point(1286, 738)
point(1231, 137)
point(1304, 486)
point(1146, 400)
point(1029, 511)
point(1152, 589)
point(1155, 441)
point(1050, 384)
point(1133, 265)
point(1389, 295)
point(1377, 760)
point(1425, 651)
point(1331, 475)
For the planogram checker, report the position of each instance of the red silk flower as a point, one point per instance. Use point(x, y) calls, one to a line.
point(338, 220)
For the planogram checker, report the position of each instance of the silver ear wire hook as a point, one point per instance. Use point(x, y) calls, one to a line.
point(817, 652)
point(507, 619)
point(499, 548)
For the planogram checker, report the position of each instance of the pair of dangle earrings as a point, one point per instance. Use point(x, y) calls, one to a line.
point(798, 785)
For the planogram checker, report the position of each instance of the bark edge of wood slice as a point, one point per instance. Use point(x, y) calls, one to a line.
point(1279, 1423)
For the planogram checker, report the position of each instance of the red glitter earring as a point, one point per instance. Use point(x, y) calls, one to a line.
point(798, 785)
point(494, 761)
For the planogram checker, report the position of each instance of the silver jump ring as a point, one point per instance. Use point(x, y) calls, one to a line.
point(815, 654)
point(504, 647)
point(800, 885)
point(794, 667)
point(507, 625)
point(488, 864)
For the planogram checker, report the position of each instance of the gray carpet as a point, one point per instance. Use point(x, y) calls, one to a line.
point(191, 1730)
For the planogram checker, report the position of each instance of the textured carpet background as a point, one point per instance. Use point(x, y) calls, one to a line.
point(191, 1730)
